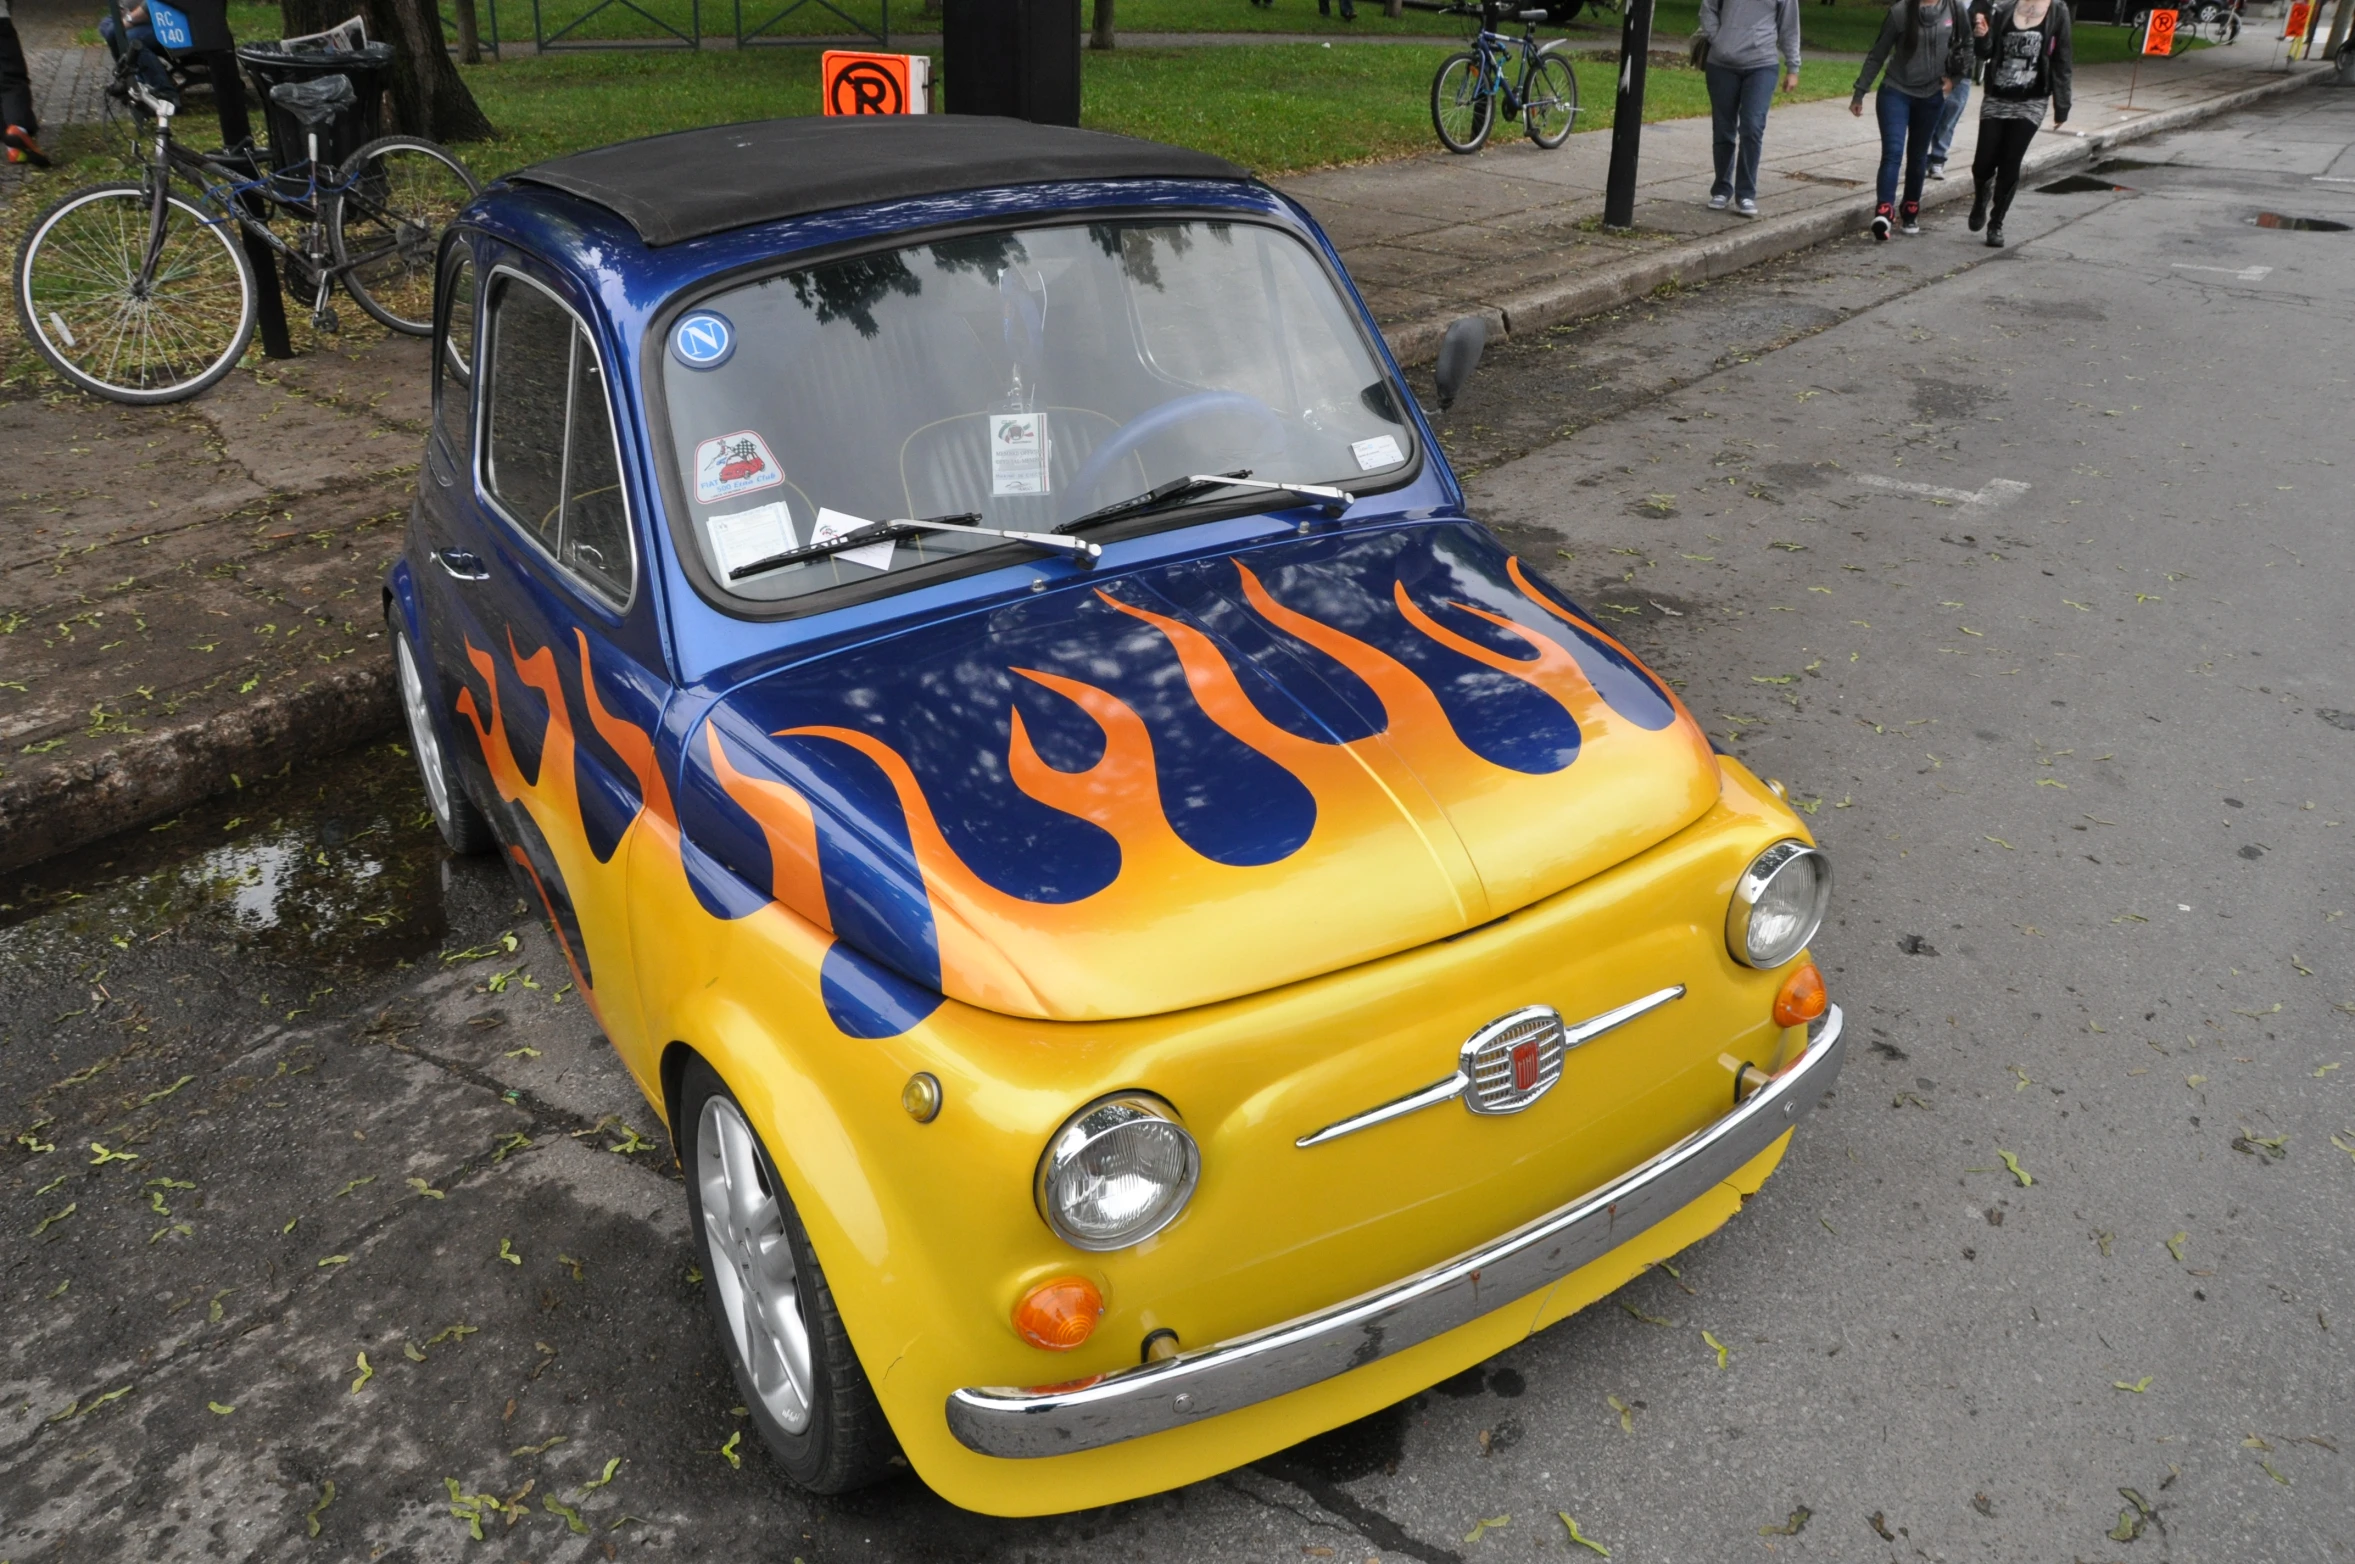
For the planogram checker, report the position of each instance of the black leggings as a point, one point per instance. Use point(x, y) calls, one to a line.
point(2002, 143)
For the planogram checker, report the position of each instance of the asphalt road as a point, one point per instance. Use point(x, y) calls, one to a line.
point(2029, 574)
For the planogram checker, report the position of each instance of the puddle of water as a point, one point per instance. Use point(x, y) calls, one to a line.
point(2318, 225)
point(2077, 184)
point(2124, 165)
point(334, 864)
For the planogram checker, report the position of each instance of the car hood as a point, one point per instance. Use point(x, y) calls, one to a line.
point(1167, 786)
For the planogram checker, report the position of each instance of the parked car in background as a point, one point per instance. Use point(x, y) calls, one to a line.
point(1153, 933)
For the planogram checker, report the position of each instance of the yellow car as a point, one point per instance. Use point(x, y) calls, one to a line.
point(1153, 933)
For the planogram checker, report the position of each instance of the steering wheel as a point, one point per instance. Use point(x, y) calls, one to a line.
point(1160, 420)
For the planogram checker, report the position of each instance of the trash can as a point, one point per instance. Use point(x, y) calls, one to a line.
point(369, 68)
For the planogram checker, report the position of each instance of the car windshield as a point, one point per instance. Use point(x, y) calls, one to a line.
point(1015, 380)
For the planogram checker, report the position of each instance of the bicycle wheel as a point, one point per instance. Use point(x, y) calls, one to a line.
point(385, 225)
point(2229, 29)
point(1462, 106)
point(85, 310)
point(1552, 106)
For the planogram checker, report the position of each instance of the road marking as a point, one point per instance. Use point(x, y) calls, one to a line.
point(1998, 491)
point(2239, 273)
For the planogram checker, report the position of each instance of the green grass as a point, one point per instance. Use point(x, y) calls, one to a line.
point(1275, 108)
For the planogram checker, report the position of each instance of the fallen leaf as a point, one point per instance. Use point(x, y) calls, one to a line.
point(56, 1217)
point(2022, 1174)
point(602, 1478)
point(728, 1450)
point(572, 1517)
point(1626, 1414)
point(1481, 1529)
point(1880, 1525)
point(216, 1406)
point(1580, 1537)
point(2270, 1472)
point(2138, 1387)
point(326, 1498)
point(542, 1448)
point(2000, 842)
point(508, 1254)
point(105, 1156)
point(1648, 1319)
point(512, 1143)
point(366, 1373)
point(410, 1351)
point(1790, 1528)
point(425, 1189)
point(1720, 1348)
point(457, 1333)
point(333, 1259)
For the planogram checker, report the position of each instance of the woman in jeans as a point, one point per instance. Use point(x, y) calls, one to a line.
point(1925, 44)
point(1746, 37)
point(2026, 48)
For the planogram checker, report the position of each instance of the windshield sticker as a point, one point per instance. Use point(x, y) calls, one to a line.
point(1381, 451)
point(703, 340)
point(763, 532)
point(734, 464)
point(833, 524)
point(1017, 453)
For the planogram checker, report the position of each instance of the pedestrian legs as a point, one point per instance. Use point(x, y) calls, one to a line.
point(1921, 123)
point(1757, 95)
point(2002, 144)
point(1891, 112)
point(1725, 93)
point(1949, 120)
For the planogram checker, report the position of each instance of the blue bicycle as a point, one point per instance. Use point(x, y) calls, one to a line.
point(1469, 87)
point(142, 294)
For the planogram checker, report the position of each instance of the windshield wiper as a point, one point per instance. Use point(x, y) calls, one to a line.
point(1180, 491)
point(963, 524)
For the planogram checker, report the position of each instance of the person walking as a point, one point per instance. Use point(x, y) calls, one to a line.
point(1745, 39)
point(2027, 49)
point(1926, 45)
point(1958, 102)
point(18, 126)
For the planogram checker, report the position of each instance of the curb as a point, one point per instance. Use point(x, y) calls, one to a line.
point(1699, 260)
point(166, 769)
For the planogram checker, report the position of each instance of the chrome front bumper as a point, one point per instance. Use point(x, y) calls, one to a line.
point(1154, 1397)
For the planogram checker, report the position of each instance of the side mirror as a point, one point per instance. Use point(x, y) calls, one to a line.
point(1459, 355)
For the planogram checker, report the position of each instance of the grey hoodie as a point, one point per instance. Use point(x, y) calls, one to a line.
point(1746, 34)
point(1943, 51)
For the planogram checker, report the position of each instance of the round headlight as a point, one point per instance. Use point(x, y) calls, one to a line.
point(1778, 904)
point(1117, 1172)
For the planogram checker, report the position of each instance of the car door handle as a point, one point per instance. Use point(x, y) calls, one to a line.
point(463, 564)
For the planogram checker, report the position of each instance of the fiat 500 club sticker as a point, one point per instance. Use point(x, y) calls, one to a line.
point(734, 464)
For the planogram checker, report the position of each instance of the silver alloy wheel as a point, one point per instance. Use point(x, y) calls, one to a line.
point(422, 737)
point(751, 1261)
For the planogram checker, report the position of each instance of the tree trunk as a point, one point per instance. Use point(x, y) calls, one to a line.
point(429, 97)
point(469, 33)
point(301, 18)
point(1100, 36)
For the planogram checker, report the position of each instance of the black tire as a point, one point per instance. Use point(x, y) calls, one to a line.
point(81, 259)
point(465, 828)
point(1461, 112)
point(1552, 110)
point(1562, 12)
point(845, 1442)
point(385, 226)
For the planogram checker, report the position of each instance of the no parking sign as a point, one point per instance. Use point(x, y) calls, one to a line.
point(852, 82)
point(2160, 39)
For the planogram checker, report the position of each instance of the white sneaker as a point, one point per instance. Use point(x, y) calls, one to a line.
point(1937, 170)
point(1746, 207)
point(1718, 200)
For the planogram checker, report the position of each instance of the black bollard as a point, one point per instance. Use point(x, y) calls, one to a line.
point(1627, 123)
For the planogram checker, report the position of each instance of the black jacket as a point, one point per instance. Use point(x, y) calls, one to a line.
point(2050, 74)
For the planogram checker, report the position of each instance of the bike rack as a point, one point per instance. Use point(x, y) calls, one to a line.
point(747, 37)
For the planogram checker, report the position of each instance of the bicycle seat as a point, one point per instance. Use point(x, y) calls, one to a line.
point(313, 103)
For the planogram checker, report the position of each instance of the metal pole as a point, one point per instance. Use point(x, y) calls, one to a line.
point(1627, 124)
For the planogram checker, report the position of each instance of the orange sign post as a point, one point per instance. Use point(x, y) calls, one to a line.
point(2159, 37)
point(852, 82)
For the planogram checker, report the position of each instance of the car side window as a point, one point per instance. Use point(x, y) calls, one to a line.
point(453, 370)
point(549, 435)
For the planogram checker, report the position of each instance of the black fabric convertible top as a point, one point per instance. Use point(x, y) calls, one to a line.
point(696, 182)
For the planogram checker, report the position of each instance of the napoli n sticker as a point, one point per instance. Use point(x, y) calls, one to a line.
point(703, 340)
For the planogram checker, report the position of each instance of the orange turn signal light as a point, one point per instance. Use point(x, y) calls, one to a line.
point(1059, 1315)
point(1801, 998)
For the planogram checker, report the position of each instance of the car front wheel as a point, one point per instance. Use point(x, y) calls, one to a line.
point(793, 1361)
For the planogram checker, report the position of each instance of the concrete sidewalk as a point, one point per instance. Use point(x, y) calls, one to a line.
point(188, 594)
point(1515, 233)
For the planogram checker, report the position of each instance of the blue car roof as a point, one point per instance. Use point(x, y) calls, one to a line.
point(694, 183)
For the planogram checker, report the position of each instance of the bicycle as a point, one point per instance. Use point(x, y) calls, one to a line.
point(1466, 91)
point(140, 294)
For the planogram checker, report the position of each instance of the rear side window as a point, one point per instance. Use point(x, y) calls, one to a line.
point(549, 435)
point(453, 370)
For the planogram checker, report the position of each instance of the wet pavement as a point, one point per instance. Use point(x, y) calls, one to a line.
point(332, 1230)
